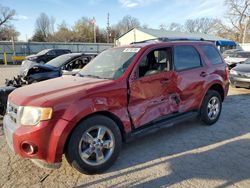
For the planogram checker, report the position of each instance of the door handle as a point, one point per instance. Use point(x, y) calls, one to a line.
point(203, 74)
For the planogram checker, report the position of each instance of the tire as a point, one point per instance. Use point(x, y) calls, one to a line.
point(81, 144)
point(210, 115)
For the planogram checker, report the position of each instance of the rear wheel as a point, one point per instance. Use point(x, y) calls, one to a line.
point(94, 145)
point(211, 107)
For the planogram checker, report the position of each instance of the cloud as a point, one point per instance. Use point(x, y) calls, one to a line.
point(208, 8)
point(21, 17)
point(136, 3)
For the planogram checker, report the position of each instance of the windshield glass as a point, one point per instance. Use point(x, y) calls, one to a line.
point(59, 61)
point(110, 64)
point(42, 52)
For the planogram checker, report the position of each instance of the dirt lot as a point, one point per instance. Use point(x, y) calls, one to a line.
point(187, 155)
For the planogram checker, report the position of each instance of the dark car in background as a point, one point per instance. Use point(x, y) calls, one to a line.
point(240, 75)
point(67, 64)
point(46, 55)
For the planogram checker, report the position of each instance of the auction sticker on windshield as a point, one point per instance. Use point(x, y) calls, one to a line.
point(135, 50)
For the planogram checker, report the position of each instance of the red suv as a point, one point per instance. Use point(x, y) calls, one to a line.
point(124, 92)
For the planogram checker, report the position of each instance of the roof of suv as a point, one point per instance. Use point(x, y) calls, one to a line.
point(160, 43)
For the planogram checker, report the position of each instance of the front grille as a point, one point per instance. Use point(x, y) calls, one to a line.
point(14, 112)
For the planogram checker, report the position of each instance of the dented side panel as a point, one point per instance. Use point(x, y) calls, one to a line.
point(151, 97)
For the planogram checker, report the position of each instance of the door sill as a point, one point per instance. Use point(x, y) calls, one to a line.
point(163, 122)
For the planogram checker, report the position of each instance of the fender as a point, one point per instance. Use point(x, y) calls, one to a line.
point(213, 81)
point(114, 103)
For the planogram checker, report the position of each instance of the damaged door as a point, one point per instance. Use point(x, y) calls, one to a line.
point(153, 87)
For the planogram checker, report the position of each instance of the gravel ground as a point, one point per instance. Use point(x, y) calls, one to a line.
point(186, 155)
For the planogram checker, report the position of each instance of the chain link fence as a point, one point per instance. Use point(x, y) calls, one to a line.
point(21, 49)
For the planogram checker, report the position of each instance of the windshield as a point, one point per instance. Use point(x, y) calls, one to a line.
point(59, 61)
point(110, 64)
point(42, 52)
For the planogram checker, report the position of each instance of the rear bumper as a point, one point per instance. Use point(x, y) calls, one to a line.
point(48, 138)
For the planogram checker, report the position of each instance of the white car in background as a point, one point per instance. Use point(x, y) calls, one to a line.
point(237, 57)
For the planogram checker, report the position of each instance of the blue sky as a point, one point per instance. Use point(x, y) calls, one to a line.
point(150, 12)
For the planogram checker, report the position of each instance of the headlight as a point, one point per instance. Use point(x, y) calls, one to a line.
point(233, 72)
point(33, 115)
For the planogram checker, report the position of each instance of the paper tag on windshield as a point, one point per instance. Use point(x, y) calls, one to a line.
point(134, 50)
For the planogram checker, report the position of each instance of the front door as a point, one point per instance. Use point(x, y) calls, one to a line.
point(153, 89)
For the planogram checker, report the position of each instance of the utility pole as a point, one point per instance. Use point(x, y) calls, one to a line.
point(14, 49)
point(108, 28)
point(94, 27)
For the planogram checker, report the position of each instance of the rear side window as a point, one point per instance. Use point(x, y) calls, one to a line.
point(186, 57)
point(60, 52)
point(212, 54)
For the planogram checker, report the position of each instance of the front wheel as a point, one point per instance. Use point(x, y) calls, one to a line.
point(211, 107)
point(94, 145)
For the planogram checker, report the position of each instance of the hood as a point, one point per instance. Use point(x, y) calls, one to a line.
point(26, 65)
point(27, 69)
point(66, 87)
point(231, 60)
point(31, 57)
point(242, 68)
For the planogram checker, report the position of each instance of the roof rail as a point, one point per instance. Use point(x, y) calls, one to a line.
point(167, 39)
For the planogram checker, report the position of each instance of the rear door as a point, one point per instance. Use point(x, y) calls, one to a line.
point(191, 76)
point(152, 87)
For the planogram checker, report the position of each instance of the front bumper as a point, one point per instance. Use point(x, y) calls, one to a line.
point(48, 137)
point(240, 81)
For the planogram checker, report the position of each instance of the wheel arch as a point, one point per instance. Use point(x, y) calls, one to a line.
point(104, 113)
point(218, 87)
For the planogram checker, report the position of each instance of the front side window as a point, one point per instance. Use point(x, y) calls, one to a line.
point(110, 64)
point(155, 62)
point(186, 57)
point(212, 54)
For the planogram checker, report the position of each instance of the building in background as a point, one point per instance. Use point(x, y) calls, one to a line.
point(141, 34)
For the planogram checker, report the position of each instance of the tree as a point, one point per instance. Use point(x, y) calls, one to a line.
point(171, 27)
point(126, 23)
point(6, 15)
point(43, 27)
point(201, 25)
point(8, 32)
point(63, 34)
point(38, 37)
point(83, 30)
point(239, 17)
